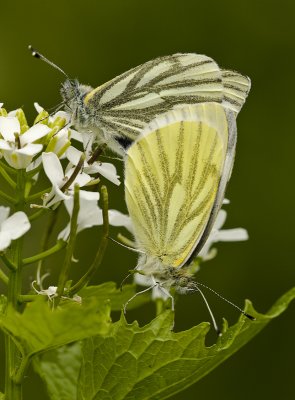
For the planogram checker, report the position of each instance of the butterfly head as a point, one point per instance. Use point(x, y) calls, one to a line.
point(73, 93)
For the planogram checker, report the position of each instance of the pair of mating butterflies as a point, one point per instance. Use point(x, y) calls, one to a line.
point(174, 121)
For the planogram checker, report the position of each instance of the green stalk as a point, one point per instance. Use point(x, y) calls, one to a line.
point(102, 247)
point(54, 249)
point(13, 390)
point(64, 274)
point(3, 277)
point(38, 195)
point(13, 359)
point(8, 168)
point(6, 198)
point(7, 178)
point(53, 216)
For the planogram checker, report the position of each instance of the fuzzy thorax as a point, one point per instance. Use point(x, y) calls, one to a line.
point(166, 276)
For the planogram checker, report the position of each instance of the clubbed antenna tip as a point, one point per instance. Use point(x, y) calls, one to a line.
point(36, 54)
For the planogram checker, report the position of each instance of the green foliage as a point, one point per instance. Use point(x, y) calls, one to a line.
point(39, 328)
point(116, 297)
point(154, 363)
point(60, 369)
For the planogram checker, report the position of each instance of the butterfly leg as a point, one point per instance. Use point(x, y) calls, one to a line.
point(137, 294)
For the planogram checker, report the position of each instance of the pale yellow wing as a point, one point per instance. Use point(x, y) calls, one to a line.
point(172, 179)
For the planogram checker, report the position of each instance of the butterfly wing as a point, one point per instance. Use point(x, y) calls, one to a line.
point(134, 98)
point(172, 177)
point(235, 89)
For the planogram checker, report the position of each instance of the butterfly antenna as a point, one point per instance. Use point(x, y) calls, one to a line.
point(36, 54)
point(218, 331)
point(228, 301)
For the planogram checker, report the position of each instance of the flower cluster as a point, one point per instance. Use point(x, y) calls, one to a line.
point(50, 145)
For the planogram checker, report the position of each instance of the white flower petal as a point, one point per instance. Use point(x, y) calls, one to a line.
point(8, 127)
point(89, 213)
point(4, 241)
point(5, 145)
point(13, 113)
point(55, 196)
point(232, 235)
point(59, 142)
point(107, 170)
point(77, 136)
point(53, 168)
point(220, 220)
point(30, 150)
point(60, 114)
point(81, 179)
point(16, 225)
point(17, 160)
point(89, 195)
point(65, 233)
point(38, 108)
point(1, 105)
point(73, 155)
point(116, 218)
point(34, 164)
point(4, 212)
point(36, 132)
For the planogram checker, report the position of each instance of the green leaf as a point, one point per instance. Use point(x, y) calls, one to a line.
point(59, 369)
point(154, 363)
point(3, 304)
point(109, 291)
point(1, 396)
point(39, 328)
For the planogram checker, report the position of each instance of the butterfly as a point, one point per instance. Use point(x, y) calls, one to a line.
point(117, 111)
point(176, 174)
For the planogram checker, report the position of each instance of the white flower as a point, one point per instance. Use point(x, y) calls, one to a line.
point(107, 170)
point(116, 218)
point(59, 142)
point(54, 171)
point(51, 118)
point(89, 213)
point(12, 227)
point(19, 149)
point(221, 235)
point(51, 293)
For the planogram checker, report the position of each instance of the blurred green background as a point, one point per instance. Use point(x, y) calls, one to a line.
point(97, 40)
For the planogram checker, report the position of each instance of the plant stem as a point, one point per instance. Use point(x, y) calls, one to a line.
point(102, 247)
point(38, 195)
point(6, 198)
point(9, 263)
point(64, 274)
point(13, 389)
point(54, 249)
point(27, 298)
point(3, 277)
point(53, 216)
point(8, 168)
point(7, 178)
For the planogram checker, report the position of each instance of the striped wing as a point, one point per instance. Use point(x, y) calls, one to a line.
point(128, 102)
point(172, 179)
point(235, 89)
